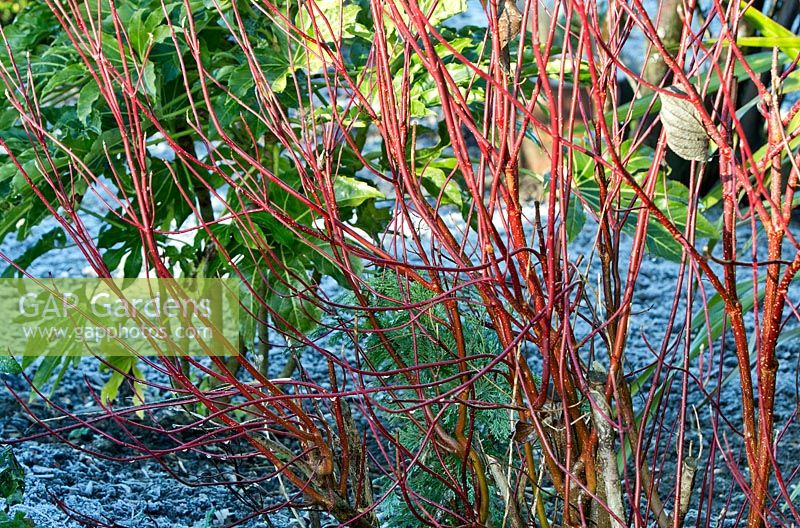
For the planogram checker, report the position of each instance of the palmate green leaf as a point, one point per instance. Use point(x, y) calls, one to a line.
point(273, 230)
point(671, 197)
point(276, 69)
point(119, 241)
point(351, 192)
point(146, 28)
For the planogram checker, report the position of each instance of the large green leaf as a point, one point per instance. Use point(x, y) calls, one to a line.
point(351, 192)
point(757, 62)
point(790, 44)
point(671, 197)
point(435, 182)
point(575, 218)
point(769, 42)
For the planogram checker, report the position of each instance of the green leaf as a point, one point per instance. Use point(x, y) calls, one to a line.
point(149, 79)
point(110, 389)
point(133, 264)
point(770, 28)
point(30, 169)
point(137, 32)
point(19, 520)
point(660, 242)
point(9, 365)
point(285, 298)
point(89, 94)
point(65, 77)
point(372, 219)
point(575, 218)
point(351, 192)
point(145, 33)
point(329, 21)
point(8, 118)
point(768, 42)
point(119, 366)
point(276, 68)
point(44, 371)
point(757, 62)
point(333, 19)
point(553, 69)
point(444, 9)
point(434, 180)
point(274, 231)
point(12, 478)
point(671, 197)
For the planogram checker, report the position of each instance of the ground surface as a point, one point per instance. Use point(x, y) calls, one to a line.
point(141, 494)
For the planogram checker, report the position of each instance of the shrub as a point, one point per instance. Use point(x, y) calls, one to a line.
point(476, 370)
